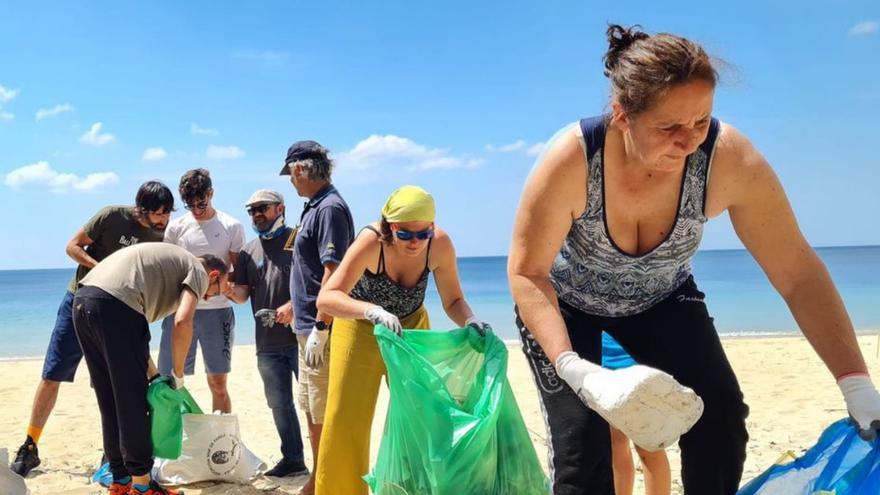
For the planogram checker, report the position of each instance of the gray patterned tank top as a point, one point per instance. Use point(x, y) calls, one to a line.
point(595, 276)
point(378, 288)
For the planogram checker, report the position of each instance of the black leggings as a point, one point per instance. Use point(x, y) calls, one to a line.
point(677, 336)
point(115, 340)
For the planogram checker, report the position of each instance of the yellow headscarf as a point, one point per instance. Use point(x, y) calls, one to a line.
point(409, 204)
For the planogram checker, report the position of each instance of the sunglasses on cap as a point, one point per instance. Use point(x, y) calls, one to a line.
point(253, 210)
point(408, 235)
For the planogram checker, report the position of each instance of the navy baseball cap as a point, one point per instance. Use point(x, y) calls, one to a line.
point(302, 150)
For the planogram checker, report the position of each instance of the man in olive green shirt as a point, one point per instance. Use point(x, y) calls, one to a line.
point(111, 229)
point(112, 311)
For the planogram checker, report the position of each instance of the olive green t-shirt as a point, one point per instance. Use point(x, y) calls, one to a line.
point(111, 229)
point(150, 277)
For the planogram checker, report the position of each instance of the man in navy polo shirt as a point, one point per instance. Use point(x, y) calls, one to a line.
point(324, 232)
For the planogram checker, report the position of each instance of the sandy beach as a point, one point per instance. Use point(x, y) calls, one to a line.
point(791, 395)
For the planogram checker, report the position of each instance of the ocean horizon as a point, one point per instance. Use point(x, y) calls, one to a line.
point(738, 294)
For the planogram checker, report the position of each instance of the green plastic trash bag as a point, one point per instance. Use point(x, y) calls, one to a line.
point(453, 426)
point(167, 407)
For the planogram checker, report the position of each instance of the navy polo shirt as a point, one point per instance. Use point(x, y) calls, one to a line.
point(324, 233)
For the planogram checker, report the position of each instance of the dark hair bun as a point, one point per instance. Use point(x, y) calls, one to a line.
point(619, 40)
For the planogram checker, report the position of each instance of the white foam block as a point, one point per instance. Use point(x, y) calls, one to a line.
point(647, 405)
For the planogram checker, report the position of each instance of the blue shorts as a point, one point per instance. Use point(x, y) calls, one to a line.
point(214, 330)
point(64, 352)
point(613, 355)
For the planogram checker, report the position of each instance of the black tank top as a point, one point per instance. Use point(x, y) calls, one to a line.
point(378, 288)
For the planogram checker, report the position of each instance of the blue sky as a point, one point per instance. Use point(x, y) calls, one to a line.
point(97, 97)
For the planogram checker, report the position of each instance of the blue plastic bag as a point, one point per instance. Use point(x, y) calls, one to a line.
point(103, 476)
point(840, 463)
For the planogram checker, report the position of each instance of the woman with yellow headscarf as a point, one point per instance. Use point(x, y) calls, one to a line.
point(381, 280)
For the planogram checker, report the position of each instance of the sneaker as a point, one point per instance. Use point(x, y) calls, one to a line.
point(155, 489)
point(27, 458)
point(286, 468)
point(119, 488)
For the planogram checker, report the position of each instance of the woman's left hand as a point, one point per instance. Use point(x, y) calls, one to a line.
point(862, 402)
point(480, 326)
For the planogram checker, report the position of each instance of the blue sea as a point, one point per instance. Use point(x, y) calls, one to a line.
point(738, 295)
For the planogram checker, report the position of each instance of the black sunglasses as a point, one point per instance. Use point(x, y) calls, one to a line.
point(201, 205)
point(253, 210)
point(161, 211)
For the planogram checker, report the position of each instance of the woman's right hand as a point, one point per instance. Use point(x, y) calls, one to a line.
point(378, 316)
point(574, 370)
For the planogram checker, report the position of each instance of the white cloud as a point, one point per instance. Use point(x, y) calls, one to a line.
point(45, 113)
point(42, 175)
point(864, 27)
point(215, 152)
point(96, 181)
point(6, 94)
point(447, 163)
point(265, 58)
point(195, 130)
point(154, 154)
point(518, 145)
point(507, 148)
point(536, 149)
point(94, 137)
point(391, 152)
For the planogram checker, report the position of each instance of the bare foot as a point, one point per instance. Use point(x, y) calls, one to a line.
point(309, 487)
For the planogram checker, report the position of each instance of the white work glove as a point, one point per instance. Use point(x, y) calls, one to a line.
point(379, 316)
point(862, 402)
point(574, 370)
point(315, 345)
point(177, 381)
point(647, 405)
point(479, 325)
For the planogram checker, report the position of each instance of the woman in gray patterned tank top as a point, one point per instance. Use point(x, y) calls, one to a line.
point(607, 226)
